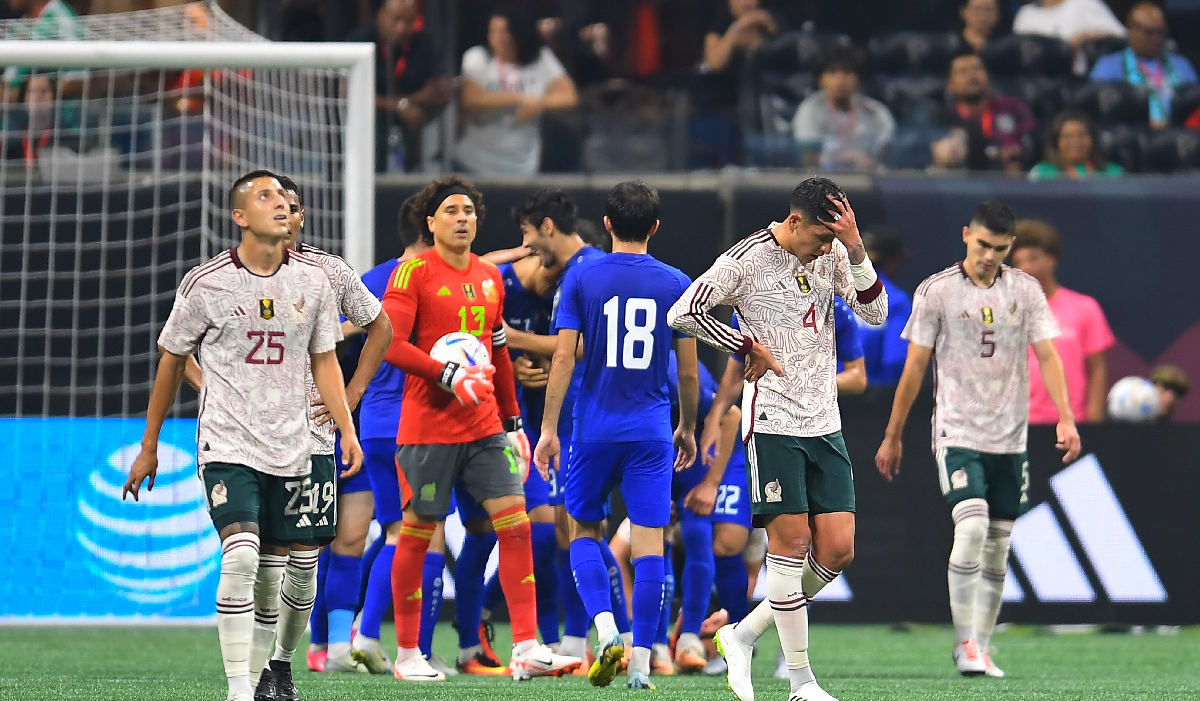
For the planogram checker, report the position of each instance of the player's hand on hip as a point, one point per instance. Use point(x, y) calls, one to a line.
point(758, 361)
point(547, 451)
point(685, 445)
point(321, 414)
point(701, 499)
point(1068, 440)
point(352, 455)
point(708, 440)
point(471, 385)
point(144, 465)
point(888, 458)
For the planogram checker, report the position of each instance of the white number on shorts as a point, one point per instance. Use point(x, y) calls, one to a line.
point(727, 499)
point(553, 483)
point(296, 490)
point(635, 333)
point(328, 494)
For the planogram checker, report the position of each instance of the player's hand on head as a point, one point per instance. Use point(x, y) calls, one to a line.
point(685, 446)
point(1068, 441)
point(547, 451)
point(145, 465)
point(758, 361)
point(887, 459)
point(701, 499)
point(352, 455)
point(844, 226)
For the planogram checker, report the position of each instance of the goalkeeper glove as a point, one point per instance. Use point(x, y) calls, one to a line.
point(470, 385)
point(514, 428)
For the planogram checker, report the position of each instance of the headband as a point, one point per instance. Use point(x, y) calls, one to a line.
point(440, 196)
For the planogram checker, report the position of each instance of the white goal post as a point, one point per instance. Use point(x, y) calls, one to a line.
point(358, 175)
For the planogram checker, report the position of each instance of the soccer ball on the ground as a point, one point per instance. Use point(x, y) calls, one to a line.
point(1133, 399)
point(461, 348)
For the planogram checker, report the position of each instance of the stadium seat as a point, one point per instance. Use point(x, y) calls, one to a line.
point(909, 149)
point(791, 52)
point(1172, 151)
point(1094, 49)
point(1027, 54)
point(1045, 96)
point(1112, 103)
point(1123, 145)
point(913, 52)
point(913, 100)
point(790, 86)
point(1185, 103)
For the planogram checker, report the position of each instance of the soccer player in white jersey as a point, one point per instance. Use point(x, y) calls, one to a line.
point(782, 282)
point(977, 319)
point(259, 317)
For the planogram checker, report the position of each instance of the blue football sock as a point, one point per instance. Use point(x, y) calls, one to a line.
point(493, 594)
point(591, 577)
point(319, 619)
point(648, 574)
point(468, 589)
point(732, 581)
point(664, 621)
point(575, 615)
point(368, 560)
point(431, 600)
point(546, 574)
point(379, 592)
point(341, 595)
point(616, 587)
point(698, 566)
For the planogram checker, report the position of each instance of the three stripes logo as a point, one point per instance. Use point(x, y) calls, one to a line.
point(304, 522)
point(1098, 550)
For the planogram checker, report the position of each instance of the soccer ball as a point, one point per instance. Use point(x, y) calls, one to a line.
point(1133, 399)
point(461, 348)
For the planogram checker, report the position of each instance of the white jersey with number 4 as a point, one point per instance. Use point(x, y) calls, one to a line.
point(787, 307)
point(252, 336)
point(355, 302)
point(980, 339)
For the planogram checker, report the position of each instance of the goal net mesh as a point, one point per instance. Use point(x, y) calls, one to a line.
point(115, 184)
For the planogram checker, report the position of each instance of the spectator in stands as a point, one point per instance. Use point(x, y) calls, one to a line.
point(506, 86)
point(1073, 150)
point(41, 130)
point(846, 129)
point(740, 30)
point(884, 350)
point(1172, 384)
point(1084, 338)
point(412, 85)
point(987, 131)
point(1073, 21)
point(1147, 63)
point(980, 18)
point(46, 20)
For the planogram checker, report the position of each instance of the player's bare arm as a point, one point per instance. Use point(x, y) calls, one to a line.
point(192, 374)
point(853, 377)
point(1056, 383)
point(729, 390)
point(689, 403)
point(327, 375)
point(561, 367)
point(162, 396)
point(703, 496)
point(888, 457)
point(379, 337)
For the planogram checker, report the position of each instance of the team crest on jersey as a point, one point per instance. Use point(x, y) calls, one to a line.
point(988, 317)
point(266, 308)
point(469, 291)
point(489, 291)
point(802, 281)
point(297, 310)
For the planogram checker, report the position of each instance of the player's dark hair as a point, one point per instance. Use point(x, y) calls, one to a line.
point(248, 177)
point(632, 208)
point(842, 58)
point(291, 186)
point(593, 234)
point(1034, 233)
point(423, 198)
point(963, 50)
point(811, 199)
point(996, 217)
point(553, 204)
point(410, 224)
point(522, 27)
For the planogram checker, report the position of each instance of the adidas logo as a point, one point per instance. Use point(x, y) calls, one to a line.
point(237, 312)
point(444, 292)
point(324, 521)
point(303, 522)
point(528, 580)
point(1098, 550)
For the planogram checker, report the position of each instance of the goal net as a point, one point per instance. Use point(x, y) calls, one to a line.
point(120, 135)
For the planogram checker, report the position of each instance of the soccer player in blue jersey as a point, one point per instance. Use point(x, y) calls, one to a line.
point(617, 306)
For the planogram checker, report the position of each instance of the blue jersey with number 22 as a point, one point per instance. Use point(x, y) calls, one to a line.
point(619, 303)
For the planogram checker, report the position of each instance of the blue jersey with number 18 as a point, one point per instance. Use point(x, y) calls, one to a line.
point(619, 303)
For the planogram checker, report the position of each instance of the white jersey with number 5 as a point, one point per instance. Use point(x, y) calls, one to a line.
point(252, 336)
point(980, 340)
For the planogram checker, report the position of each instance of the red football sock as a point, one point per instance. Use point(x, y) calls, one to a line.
point(407, 567)
point(516, 571)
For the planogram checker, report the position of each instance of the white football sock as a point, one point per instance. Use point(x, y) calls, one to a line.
point(752, 627)
point(235, 607)
point(816, 576)
point(466, 654)
point(298, 593)
point(790, 608)
point(337, 650)
point(639, 661)
point(660, 651)
point(962, 574)
point(991, 582)
point(606, 626)
point(627, 639)
point(266, 610)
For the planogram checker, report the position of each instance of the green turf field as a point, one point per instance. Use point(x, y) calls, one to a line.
point(853, 662)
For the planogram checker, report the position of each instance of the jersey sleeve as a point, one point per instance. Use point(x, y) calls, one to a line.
point(505, 378)
point(568, 308)
point(1097, 336)
point(326, 328)
point(720, 284)
point(870, 303)
point(1040, 320)
point(188, 322)
point(400, 303)
point(846, 336)
point(925, 321)
point(358, 304)
point(684, 281)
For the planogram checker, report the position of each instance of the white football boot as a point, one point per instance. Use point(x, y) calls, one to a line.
point(738, 656)
point(369, 653)
point(541, 661)
point(417, 669)
point(810, 692)
point(968, 660)
point(991, 669)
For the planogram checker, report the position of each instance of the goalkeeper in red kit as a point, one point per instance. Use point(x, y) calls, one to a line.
point(453, 423)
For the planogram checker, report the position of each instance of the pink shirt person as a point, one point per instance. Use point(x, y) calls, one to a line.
point(1084, 332)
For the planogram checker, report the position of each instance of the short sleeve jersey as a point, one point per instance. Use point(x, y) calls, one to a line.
point(583, 255)
point(252, 336)
point(980, 339)
point(619, 303)
point(354, 302)
point(447, 300)
point(847, 344)
point(379, 411)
